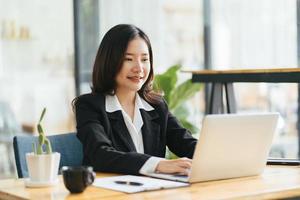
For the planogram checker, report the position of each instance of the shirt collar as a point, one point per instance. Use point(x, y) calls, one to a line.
point(112, 103)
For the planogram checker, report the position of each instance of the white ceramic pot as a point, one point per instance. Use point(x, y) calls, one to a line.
point(43, 168)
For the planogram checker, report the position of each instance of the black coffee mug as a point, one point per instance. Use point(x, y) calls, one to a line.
point(76, 179)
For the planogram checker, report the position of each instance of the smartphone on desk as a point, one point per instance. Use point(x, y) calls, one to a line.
point(283, 161)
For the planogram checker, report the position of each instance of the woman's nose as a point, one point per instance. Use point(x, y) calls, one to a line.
point(138, 67)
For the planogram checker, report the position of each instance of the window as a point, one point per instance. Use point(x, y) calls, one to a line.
point(36, 67)
point(260, 34)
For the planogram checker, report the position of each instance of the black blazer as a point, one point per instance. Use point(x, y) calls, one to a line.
point(108, 146)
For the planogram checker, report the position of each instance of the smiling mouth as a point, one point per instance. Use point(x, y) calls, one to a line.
point(135, 78)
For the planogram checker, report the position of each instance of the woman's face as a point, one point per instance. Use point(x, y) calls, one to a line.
point(135, 68)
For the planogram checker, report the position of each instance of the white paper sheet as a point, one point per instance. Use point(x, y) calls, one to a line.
point(147, 183)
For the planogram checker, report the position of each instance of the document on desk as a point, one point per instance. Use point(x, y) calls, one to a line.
point(133, 184)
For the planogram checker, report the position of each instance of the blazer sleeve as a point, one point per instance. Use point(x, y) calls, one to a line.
point(98, 149)
point(179, 140)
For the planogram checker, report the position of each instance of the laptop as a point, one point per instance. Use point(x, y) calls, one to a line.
point(230, 146)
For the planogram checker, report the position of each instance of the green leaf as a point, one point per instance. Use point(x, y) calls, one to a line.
point(48, 146)
point(41, 140)
point(170, 155)
point(40, 146)
point(183, 92)
point(166, 82)
point(40, 129)
point(42, 115)
point(181, 111)
point(173, 70)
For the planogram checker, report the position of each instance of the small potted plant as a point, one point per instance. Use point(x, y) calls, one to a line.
point(42, 165)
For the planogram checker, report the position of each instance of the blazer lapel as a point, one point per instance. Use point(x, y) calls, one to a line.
point(119, 129)
point(150, 131)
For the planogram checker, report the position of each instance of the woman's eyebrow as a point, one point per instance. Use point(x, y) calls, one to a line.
point(131, 54)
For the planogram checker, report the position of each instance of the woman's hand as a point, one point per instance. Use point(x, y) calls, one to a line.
point(181, 166)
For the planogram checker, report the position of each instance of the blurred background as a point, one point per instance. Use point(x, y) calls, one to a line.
point(47, 50)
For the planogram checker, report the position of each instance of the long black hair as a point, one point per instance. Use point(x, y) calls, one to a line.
point(109, 60)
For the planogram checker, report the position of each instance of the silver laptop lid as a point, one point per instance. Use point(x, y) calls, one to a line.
point(233, 145)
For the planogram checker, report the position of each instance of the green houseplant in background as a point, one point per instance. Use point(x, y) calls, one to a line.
point(176, 95)
point(42, 165)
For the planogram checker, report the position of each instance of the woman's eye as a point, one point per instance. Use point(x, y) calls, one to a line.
point(128, 59)
point(145, 59)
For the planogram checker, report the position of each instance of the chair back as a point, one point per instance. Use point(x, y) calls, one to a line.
point(67, 145)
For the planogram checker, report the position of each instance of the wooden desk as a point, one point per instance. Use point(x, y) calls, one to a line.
point(220, 78)
point(275, 182)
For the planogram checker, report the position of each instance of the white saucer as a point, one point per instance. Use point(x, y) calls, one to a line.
point(29, 183)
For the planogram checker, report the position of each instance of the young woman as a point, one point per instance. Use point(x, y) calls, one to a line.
point(123, 125)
